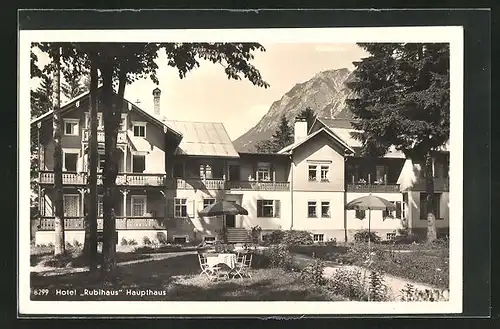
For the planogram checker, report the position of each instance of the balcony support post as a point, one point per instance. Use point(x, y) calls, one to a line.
point(82, 201)
point(124, 193)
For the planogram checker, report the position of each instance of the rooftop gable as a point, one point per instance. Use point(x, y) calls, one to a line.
point(324, 130)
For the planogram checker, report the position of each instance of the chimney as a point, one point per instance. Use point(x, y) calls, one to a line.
point(300, 129)
point(156, 101)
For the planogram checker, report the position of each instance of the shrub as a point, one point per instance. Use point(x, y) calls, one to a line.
point(275, 237)
point(313, 272)
point(411, 294)
point(162, 238)
point(365, 235)
point(349, 283)
point(77, 244)
point(293, 237)
point(256, 234)
point(146, 241)
point(132, 242)
point(378, 289)
point(68, 245)
point(123, 242)
point(279, 256)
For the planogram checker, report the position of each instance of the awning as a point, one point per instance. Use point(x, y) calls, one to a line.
point(140, 146)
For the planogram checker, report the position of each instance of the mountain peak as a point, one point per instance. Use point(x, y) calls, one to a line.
point(325, 93)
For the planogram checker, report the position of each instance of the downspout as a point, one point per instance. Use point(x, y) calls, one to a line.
point(291, 190)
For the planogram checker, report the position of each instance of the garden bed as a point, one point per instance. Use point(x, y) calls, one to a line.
point(417, 262)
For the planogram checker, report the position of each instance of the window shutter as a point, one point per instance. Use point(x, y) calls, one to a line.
point(254, 170)
point(277, 208)
point(398, 209)
point(259, 208)
point(272, 172)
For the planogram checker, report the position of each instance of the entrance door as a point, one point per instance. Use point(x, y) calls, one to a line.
point(234, 173)
point(230, 221)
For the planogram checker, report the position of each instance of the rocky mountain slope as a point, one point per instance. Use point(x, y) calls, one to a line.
point(325, 93)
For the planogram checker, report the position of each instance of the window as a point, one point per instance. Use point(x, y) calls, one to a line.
point(139, 129)
point(207, 202)
point(209, 238)
point(263, 173)
point(71, 127)
point(311, 209)
point(380, 174)
point(324, 173)
point(100, 206)
point(360, 214)
point(139, 203)
point(391, 236)
point(101, 160)
point(71, 204)
point(313, 175)
point(180, 239)
point(318, 237)
point(178, 171)
point(268, 208)
point(393, 213)
point(70, 161)
point(423, 205)
point(325, 209)
point(138, 163)
point(180, 209)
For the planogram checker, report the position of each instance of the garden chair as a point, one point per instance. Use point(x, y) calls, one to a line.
point(210, 272)
point(243, 266)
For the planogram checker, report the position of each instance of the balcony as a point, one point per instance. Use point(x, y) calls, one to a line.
point(197, 184)
point(122, 223)
point(258, 186)
point(374, 188)
point(121, 138)
point(123, 179)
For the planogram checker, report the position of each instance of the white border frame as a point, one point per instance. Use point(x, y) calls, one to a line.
point(450, 34)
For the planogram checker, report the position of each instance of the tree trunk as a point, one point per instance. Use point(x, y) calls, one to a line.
point(429, 204)
point(111, 115)
point(92, 199)
point(58, 183)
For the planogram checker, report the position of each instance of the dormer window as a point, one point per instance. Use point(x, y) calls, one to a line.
point(71, 127)
point(139, 129)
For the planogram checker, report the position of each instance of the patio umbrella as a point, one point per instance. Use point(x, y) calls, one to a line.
point(223, 208)
point(370, 202)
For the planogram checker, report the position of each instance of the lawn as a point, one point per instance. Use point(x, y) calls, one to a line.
point(417, 262)
point(177, 278)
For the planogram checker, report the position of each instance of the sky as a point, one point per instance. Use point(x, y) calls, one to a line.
point(206, 94)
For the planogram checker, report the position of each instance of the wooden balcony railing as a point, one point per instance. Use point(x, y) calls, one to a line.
point(374, 188)
point(259, 186)
point(129, 179)
point(122, 223)
point(197, 183)
point(121, 137)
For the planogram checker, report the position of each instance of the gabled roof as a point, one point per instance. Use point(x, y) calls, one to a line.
point(67, 106)
point(343, 129)
point(203, 139)
point(325, 130)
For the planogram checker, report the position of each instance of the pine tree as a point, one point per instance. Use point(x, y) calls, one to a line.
point(403, 99)
point(309, 115)
point(282, 137)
